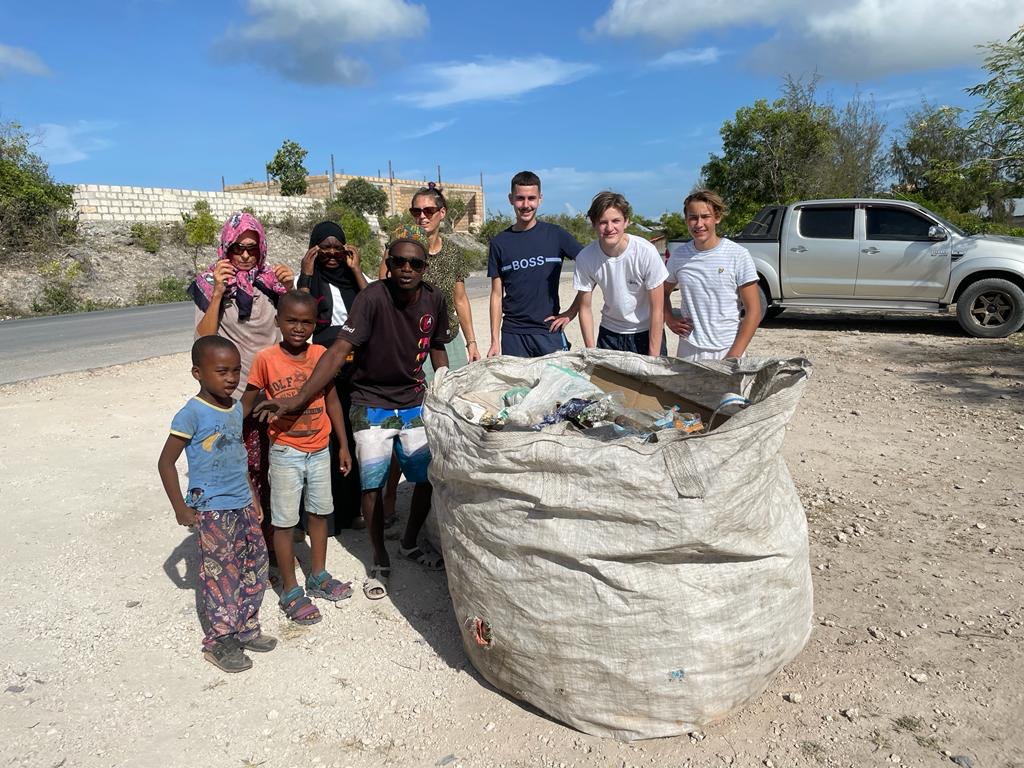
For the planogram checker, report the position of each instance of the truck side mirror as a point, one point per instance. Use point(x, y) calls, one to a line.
point(937, 233)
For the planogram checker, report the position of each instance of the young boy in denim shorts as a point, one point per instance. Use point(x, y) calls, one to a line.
point(221, 505)
point(393, 325)
point(300, 461)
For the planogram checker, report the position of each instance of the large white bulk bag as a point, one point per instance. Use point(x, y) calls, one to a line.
point(629, 589)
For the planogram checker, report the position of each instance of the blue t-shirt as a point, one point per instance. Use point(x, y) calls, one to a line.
point(529, 264)
point(218, 465)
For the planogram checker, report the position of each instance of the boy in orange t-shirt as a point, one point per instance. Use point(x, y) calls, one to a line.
point(300, 455)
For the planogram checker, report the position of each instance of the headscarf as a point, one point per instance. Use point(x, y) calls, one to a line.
point(341, 277)
point(242, 284)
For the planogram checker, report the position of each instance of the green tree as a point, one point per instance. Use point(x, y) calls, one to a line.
point(455, 212)
point(33, 207)
point(771, 152)
point(857, 163)
point(288, 170)
point(363, 197)
point(577, 225)
point(998, 125)
point(673, 224)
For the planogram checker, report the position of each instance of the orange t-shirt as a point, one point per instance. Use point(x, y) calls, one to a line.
point(279, 374)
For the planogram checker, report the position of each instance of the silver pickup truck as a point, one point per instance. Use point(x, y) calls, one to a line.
point(885, 255)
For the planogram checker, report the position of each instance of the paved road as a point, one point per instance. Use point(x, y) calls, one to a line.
point(45, 346)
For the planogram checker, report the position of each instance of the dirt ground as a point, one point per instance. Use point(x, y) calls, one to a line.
point(907, 451)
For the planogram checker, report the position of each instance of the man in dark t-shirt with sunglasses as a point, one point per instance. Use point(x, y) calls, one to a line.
point(393, 325)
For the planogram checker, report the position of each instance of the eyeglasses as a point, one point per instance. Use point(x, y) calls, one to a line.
point(237, 249)
point(429, 211)
point(400, 261)
point(334, 251)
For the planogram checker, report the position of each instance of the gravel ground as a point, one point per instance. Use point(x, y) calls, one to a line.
point(907, 454)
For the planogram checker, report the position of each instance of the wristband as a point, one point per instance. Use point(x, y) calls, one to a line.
point(471, 341)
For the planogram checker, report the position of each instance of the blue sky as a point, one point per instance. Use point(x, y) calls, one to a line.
point(620, 94)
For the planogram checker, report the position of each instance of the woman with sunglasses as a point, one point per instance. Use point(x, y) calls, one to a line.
point(332, 274)
point(236, 297)
point(448, 274)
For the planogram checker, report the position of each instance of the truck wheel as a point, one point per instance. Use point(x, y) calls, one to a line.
point(991, 308)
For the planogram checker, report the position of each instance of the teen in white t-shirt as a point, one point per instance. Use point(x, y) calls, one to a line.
point(630, 272)
point(715, 276)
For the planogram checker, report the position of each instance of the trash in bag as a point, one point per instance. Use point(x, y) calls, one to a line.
point(630, 589)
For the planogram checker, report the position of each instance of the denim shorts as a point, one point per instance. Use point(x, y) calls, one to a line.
point(291, 471)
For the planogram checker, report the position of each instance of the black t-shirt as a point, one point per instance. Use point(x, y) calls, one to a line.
point(392, 342)
point(529, 264)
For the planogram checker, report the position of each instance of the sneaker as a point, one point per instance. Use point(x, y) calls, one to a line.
point(227, 656)
point(259, 644)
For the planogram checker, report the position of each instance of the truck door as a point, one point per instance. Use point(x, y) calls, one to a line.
point(820, 251)
point(898, 259)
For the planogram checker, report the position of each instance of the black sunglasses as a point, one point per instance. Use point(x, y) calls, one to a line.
point(400, 261)
point(237, 249)
point(429, 211)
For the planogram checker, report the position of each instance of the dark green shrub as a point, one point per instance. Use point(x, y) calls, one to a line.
point(146, 235)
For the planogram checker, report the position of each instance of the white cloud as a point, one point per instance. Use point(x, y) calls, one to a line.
point(311, 41)
point(847, 39)
point(14, 59)
point(434, 127)
point(685, 57)
point(63, 144)
point(490, 79)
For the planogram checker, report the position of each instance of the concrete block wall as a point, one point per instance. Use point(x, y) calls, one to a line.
point(104, 202)
point(399, 192)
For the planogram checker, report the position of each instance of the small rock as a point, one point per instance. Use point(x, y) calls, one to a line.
point(901, 633)
point(793, 698)
point(273, 714)
point(963, 760)
point(919, 677)
point(133, 604)
point(894, 758)
point(147, 694)
point(14, 689)
point(980, 526)
point(876, 633)
point(768, 763)
point(850, 714)
point(489, 727)
point(841, 537)
point(446, 760)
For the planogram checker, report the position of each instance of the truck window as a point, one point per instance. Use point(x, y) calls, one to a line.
point(827, 223)
point(896, 224)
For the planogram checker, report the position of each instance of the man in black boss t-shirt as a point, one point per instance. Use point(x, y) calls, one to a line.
point(525, 264)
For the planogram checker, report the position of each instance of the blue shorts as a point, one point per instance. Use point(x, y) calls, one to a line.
point(378, 432)
point(628, 342)
point(293, 471)
point(533, 344)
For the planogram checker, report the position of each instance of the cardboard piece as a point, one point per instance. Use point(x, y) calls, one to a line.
point(642, 394)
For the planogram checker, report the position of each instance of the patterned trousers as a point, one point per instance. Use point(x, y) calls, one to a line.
point(233, 573)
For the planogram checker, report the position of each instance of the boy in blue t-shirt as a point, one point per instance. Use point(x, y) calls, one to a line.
point(221, 504)
point(525, 265)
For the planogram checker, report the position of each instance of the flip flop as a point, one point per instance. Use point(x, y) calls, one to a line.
point(425, 555)
point(375, 586)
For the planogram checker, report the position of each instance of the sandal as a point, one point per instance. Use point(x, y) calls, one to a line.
point(227, 656)
point(375, 586)
point(298, 607)
point(425, 555)
point(326, 586)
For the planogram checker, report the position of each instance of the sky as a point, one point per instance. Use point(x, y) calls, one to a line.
point(626, 95)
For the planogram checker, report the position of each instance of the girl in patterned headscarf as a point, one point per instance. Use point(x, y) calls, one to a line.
point(236, 297)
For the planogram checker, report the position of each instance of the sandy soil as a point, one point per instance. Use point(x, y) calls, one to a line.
point(906, 451)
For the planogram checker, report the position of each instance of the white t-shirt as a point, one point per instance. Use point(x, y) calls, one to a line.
point(709, 281)
point(624, 280)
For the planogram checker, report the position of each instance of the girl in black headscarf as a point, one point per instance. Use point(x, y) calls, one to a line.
point(331, 273)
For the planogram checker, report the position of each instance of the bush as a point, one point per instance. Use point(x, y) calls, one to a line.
point(34, 209)
point(166, 291)
point(60, 294)
point(495, 223)
point(200, 229)
point(361, 196)
point(146, 235)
